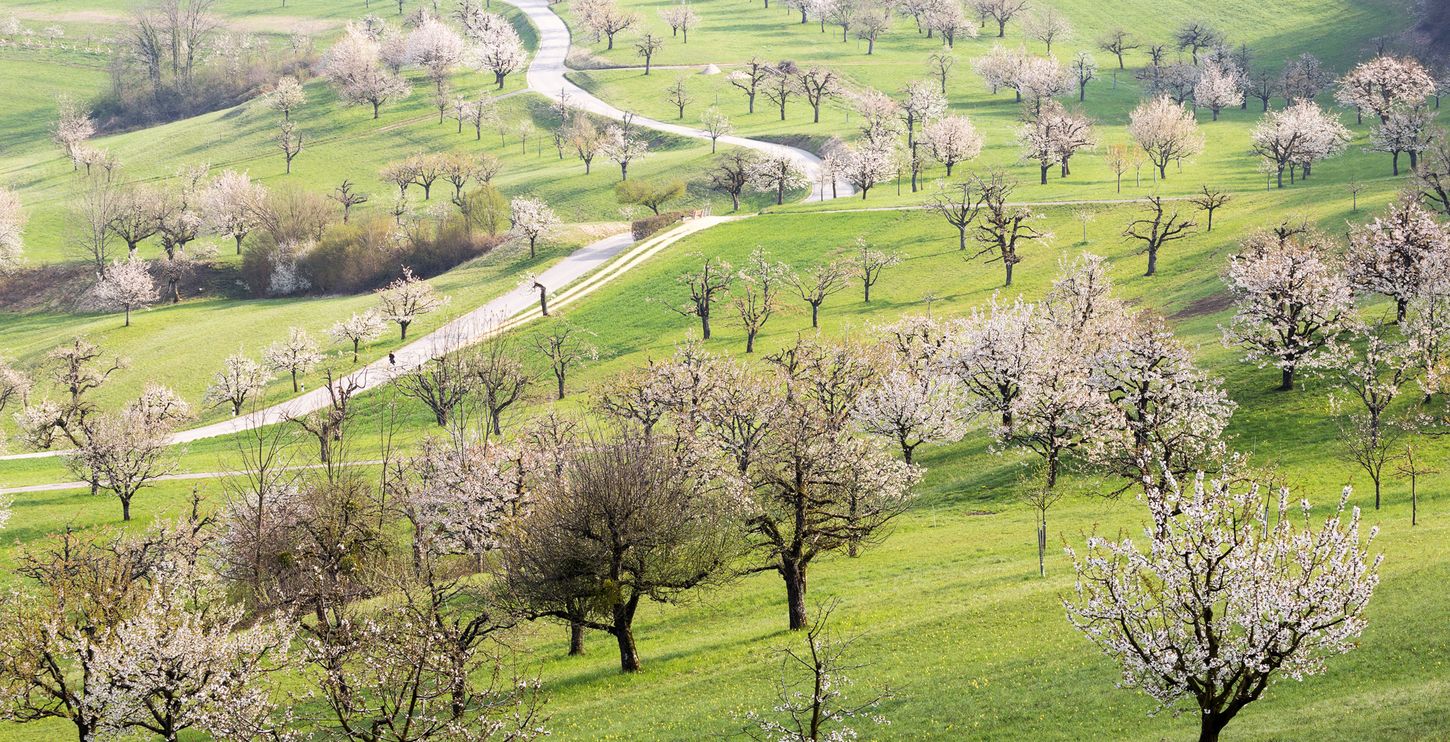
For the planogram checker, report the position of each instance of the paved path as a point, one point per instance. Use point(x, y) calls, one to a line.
point(546, 76)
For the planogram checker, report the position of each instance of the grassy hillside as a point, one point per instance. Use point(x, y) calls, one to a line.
point(951, 614)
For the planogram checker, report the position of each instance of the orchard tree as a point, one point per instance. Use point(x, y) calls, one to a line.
point(230, 205)
point(951, 140)
point(406, 299)
point(679, 96)
point(1046, 25)
point(1402, 255)
point(289, 140)
point(1432, 177)
point(1117, 42)
point(358, 329)
point(1220, 85)
point(646, 47)
point(731, 174)
point(564, 347)
point(816, 487)
point(811, 692)
point(940, 63)
point(1001, 11)
point(864, 167)
point(920, 103)
point(1375, 369)
point(1038, 80)
point(680, 18)
point(1293, 302)
point(817, 84)
point(12, 228)
point(1158, 229)
point(748, 78)
point(869, 263)
point(706, 286)
point(650, 194)
point(604, 18)
point(1295, 595)
point(1053, 136)
point(819, 283)
point(531, 219)
point(126, 285)
point(1299, 135)
point(1210, 200)
point(912, 405)
point(1195, 36)
point(501, 378)
point(777, 173)
point(1304, 78)
point(716, 124)
point(499, 51)
point(296, 355)
point(1384, 84)
point(286, 95)
point(623, 147)
point(1173, 414)
point(780, 85)
point(1404, 131)
point(1166, 131)
point(757, 295)
point(73, 128)
point(1084, 68)
point(354, 65)
point(436, 48)
point(627, 520)
point(1002, 228)
point(239, 378)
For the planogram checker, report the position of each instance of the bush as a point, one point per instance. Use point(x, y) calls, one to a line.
point(642, 228)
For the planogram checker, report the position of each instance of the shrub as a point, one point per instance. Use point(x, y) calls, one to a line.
point(647, 226)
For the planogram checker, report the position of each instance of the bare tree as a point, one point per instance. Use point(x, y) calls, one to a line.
point(868, 264)
point(1158, 229)
point(820, 283)
point(757, 297)
point(705, 286)
point(564, 347)
point(627, 521)
point(1209, 200)
point(1002, 228)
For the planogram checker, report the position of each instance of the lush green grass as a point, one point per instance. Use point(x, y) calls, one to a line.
point(733, 31)
point(950, 611)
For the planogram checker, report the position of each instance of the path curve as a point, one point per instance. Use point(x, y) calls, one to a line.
point(545, 76)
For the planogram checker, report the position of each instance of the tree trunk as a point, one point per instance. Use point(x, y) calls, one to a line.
point(126, 509)
point(628, 655)
point(576, 639)
point(795, 594)
point(1400, 306)
point(294, 381)
point(403, 328)
point(1044, 174)
point(1286, 383)
point(1009, 275)
point(1211, 726)
point(705, 325)
point(1152, 261)
point(815, 316)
